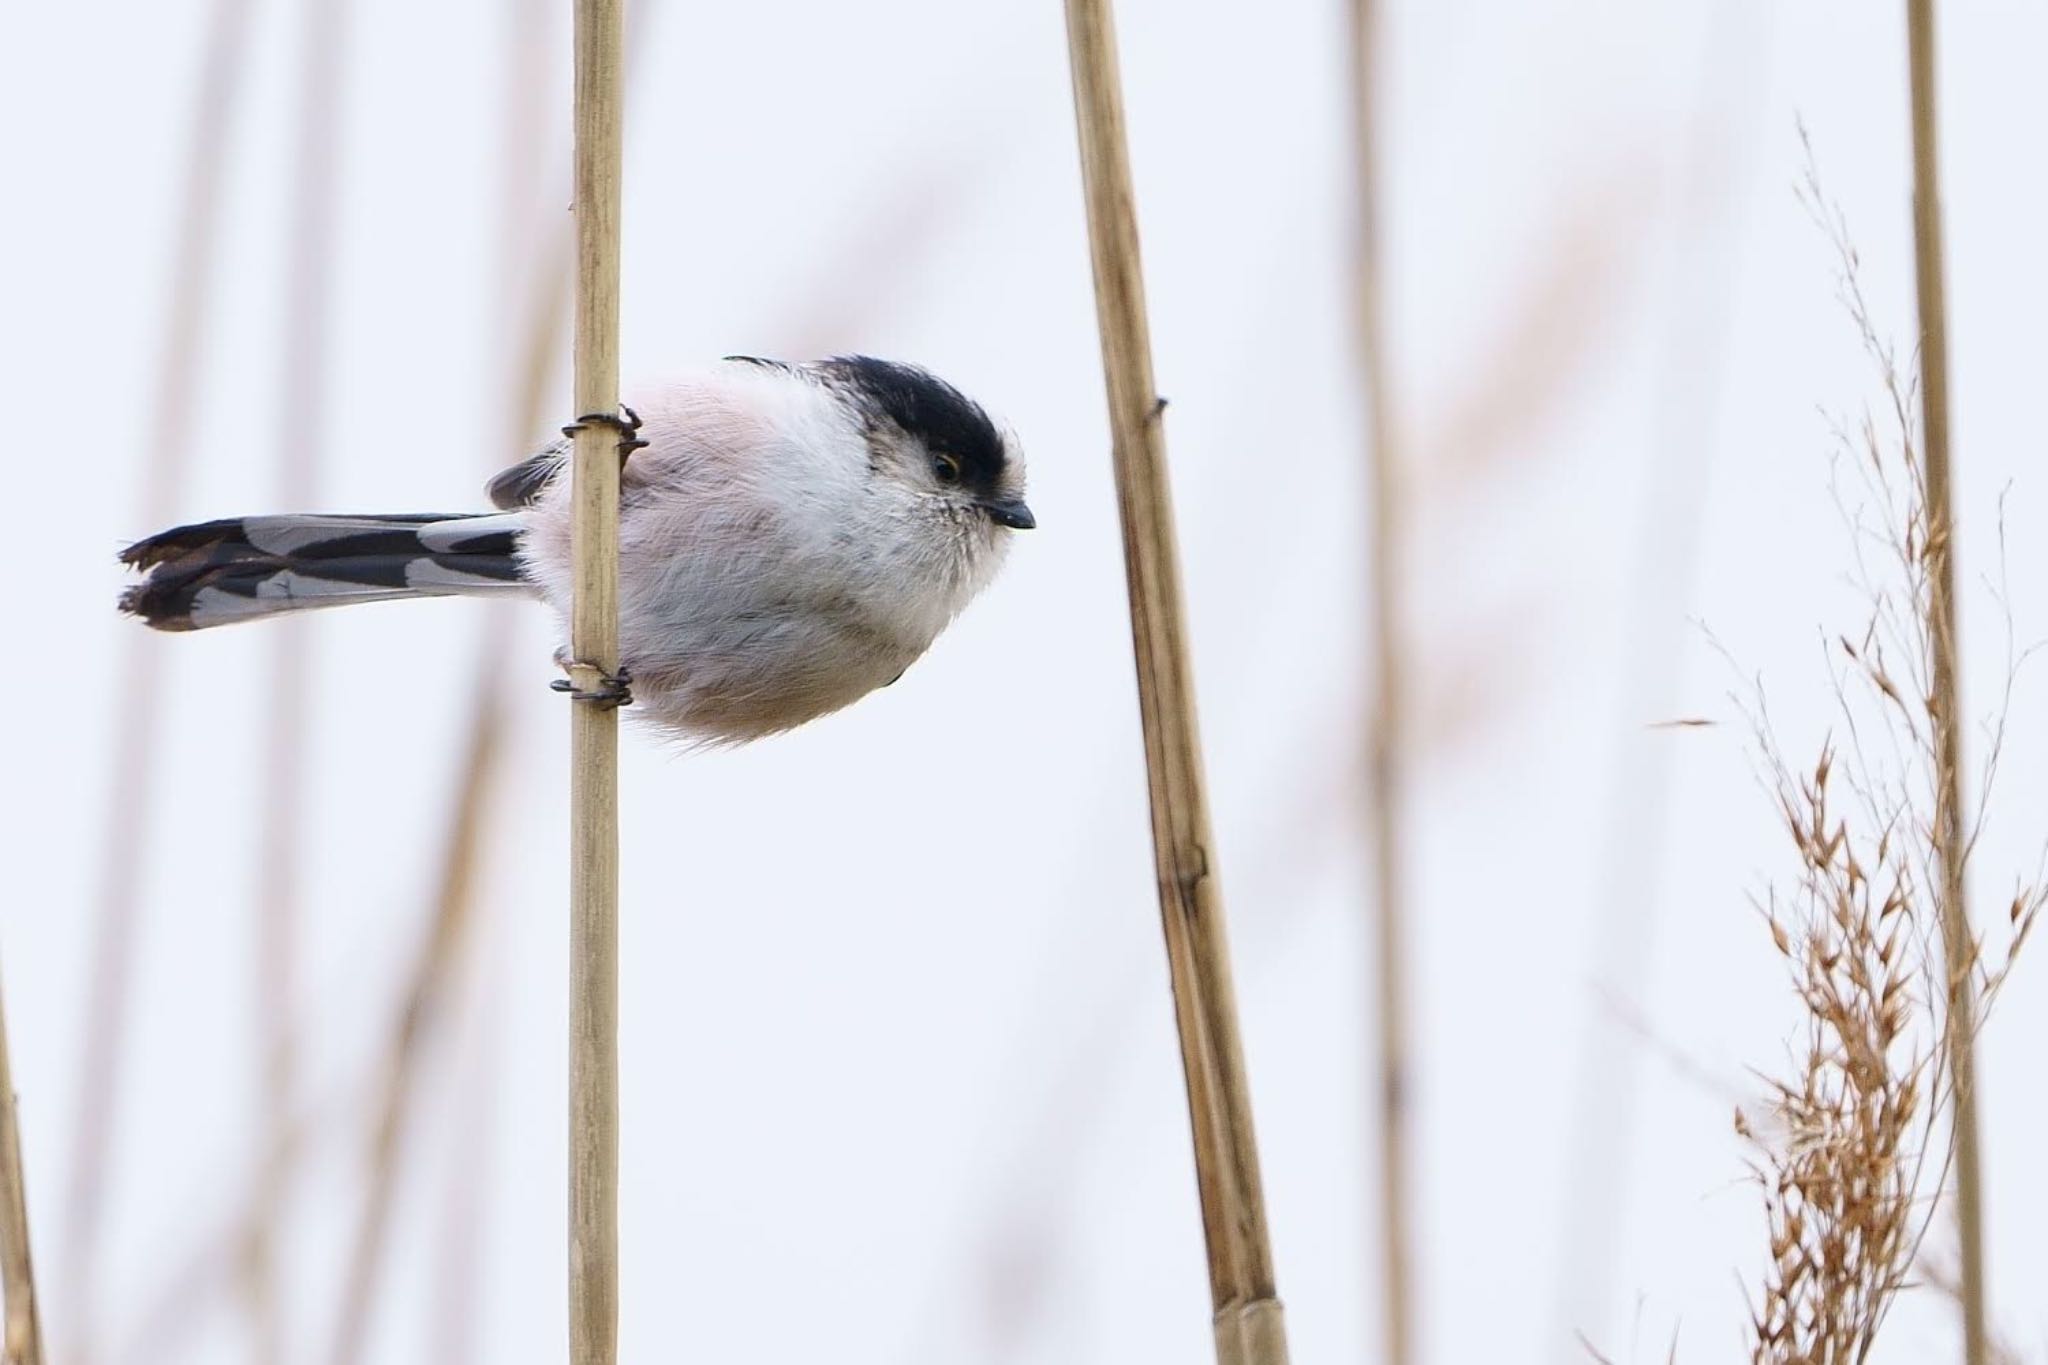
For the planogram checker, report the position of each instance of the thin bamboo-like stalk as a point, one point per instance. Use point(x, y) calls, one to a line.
point(1248, 1322)
point(1950, 826)
point(1630, 905)
point(594, 726)
point(23, 1342)
point(137, 743)
point(1383, 730)
point(302, 394)
point(454, 906)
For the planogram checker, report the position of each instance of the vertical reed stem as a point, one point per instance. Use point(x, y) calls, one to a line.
point(455, 909)
point(1950, 828)
point(1383, 756)
point(594, 727)
point(302, 390)
point(1248, 1322)
point(23, 1343)
point(424, 1003)
point(137, 746)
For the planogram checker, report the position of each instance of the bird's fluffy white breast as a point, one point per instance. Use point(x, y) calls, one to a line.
point(761, 555)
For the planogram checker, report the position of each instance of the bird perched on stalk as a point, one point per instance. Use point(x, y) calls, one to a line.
point(791, 537)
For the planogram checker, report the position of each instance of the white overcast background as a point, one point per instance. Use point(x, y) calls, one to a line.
point(900, 1082)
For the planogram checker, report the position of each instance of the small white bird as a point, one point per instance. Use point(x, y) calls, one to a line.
point(791, 537)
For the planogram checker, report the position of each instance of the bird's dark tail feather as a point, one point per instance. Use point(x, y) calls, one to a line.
point(220, 572)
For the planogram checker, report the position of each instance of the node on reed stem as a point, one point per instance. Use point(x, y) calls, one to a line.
point(1247, 1319)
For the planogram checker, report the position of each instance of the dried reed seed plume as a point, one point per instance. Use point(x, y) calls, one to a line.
point(1861, 1136)
point(22, 1343)
point(1839, 1184)
point(1246, 1313)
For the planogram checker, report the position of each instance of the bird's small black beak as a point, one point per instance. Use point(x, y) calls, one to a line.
point(1013, 514)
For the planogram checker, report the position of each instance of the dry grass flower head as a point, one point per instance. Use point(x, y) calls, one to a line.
point(1851, 1150)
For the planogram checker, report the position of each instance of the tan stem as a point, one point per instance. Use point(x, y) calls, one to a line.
point(23, 1343)
point(454, 917)
point(1950, 826)
point(1249, 1328)
point(302, 390)
point(1383, 754)
point(594, 728)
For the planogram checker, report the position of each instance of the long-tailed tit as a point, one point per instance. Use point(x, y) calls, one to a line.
point(791, 537)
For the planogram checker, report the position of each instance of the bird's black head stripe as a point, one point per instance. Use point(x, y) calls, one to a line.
point(928, 409)
point(783, 365)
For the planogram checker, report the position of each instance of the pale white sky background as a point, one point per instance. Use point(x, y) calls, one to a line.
point(900, 1083)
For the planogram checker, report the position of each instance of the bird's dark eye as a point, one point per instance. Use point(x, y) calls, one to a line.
point(946, 469)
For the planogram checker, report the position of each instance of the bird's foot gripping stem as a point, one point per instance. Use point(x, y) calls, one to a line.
point(625, 421)
point(613, 690)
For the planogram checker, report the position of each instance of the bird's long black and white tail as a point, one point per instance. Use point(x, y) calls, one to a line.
point(220, 572)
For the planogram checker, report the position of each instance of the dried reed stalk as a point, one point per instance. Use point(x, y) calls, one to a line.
point(23, 1342)
point(594, 727)
point(137, 743)
point(1943, 704)
point(1248, 1322)
point(454, 906)
point(1383, 756)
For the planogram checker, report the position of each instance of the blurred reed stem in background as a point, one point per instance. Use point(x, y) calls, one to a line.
point(449, 930)
point(1248, 1322)
point(1383, 732)
point(23, 1342)
point(456, 1323)
point(420, 1009)
point(300, 444)
point(137, 743)
point(594, 725)
point(1944, 705)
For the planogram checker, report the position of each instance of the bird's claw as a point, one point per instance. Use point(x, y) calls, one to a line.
point(625, 421)
point(613, 690)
